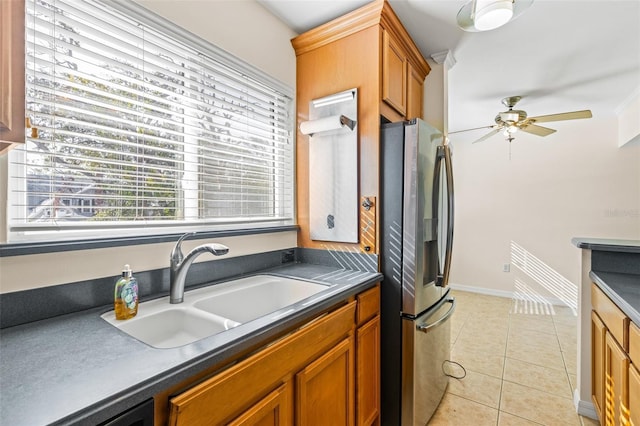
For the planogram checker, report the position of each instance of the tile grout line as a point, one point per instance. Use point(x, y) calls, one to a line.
point(564, 362)
point(504, 363)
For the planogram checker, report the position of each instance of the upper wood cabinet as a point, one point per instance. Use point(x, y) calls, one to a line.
point(402, 78)
point(12, 72)
point(415, 92)
point(368, 49)
point(394, 74)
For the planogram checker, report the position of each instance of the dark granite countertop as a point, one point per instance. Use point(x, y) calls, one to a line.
point(607, 244)
point(622, 289)
point(79, 369)
point(615, 268)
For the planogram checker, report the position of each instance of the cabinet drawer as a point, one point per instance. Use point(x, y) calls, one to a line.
point(614, 319)
point(634, 344)
point(368, 304)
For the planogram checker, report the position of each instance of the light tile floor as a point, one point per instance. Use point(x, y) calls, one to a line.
point(520, 361)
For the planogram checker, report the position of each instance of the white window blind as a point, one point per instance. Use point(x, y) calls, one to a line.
point(131, 126)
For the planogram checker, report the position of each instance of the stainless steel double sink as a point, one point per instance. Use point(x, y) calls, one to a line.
point(210, 310)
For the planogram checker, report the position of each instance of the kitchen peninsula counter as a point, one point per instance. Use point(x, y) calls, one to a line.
point(622, 289)
point(79, 369)
point(614, 267)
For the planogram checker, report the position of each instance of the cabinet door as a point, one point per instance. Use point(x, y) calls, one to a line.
point(11, 72)
point(616, 380)
point(276, 409)
point(598, 334)
point(368, 373)
point(324, 389)
point(394, 74)
point(634, 394)
point(415, 93)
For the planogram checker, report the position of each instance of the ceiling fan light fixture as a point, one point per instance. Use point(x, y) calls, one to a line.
point(491, 14)
point(508, 131)
point(509, 116)
point(485, 15)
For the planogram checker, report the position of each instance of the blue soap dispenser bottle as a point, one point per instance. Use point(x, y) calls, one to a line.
point(126, 295)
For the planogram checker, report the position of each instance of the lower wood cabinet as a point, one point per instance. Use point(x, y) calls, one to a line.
point(598, 336)
point(615, 380)
point(326, 372)
point(324, 389)
point(634, 374)
point(275, 409)
point(634, 395)
point(368, 377)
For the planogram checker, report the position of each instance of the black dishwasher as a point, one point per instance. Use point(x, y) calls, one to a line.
point(140, 415)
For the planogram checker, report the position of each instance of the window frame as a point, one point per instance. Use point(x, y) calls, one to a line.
point(28, 235)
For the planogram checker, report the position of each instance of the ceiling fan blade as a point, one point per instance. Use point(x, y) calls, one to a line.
point(562, 116)
point(488, 135)
point(537, 130)
point(475, 128)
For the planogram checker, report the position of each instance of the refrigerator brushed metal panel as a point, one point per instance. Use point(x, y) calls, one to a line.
point(419, 217)
point(425, 348)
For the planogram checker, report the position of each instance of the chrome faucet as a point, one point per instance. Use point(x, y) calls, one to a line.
point(180, 265)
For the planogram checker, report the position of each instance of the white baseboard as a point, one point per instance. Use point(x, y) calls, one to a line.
point(584, 408)
point(481, 290)
point(500, 293)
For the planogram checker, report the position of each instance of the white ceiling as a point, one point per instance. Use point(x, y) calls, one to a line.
point(560, 55)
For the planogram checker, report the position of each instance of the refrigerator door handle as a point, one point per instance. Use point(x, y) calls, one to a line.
point(442, 279)
point(425, 327)
point(450, 214)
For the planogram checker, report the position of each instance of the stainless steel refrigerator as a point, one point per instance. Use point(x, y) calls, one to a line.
point(416, 233)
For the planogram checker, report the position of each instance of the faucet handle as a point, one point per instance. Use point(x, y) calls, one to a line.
point(176, 253)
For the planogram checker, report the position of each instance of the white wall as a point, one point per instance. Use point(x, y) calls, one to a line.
point(434, 96)
point(575, 183)
point(243, 28)
point(629, 119)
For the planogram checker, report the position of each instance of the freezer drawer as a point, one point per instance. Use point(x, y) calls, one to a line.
point(425, 349)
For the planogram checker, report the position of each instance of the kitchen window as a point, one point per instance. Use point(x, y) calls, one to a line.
point(138, 126)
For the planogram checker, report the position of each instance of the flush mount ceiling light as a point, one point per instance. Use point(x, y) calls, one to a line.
point(485, 15)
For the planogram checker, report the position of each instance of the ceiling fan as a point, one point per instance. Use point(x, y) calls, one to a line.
point(513, 120)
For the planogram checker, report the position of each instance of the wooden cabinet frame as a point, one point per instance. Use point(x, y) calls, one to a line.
point(12, 73)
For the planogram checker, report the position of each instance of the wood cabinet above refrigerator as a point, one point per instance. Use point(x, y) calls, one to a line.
point(368, 49)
